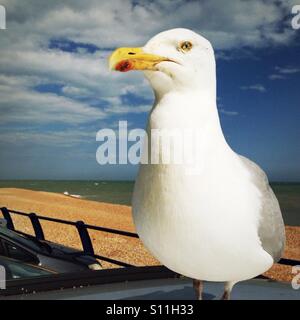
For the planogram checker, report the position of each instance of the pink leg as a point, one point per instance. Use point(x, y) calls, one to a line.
point(227, 290)
point(198, 286)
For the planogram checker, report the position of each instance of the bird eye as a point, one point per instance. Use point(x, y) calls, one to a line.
point(185, 46)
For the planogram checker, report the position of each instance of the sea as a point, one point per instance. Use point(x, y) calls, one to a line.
point(120, 192)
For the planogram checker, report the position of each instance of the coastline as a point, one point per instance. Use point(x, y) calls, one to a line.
point(107, 215)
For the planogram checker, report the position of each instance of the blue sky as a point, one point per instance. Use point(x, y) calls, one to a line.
point(56, 91)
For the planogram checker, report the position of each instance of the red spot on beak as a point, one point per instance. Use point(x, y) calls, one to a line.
point(124, 66)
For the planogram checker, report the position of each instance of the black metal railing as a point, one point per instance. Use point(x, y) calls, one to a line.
point(81, 227)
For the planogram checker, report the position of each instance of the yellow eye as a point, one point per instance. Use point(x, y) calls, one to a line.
point(185, 46)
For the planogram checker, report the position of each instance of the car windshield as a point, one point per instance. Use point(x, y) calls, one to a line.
point(20, 270)
point(31, 244)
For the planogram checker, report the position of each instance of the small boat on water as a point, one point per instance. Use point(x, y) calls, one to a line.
point(66, 193)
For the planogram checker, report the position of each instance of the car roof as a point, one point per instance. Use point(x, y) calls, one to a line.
point(23, 240)
point(6, 260)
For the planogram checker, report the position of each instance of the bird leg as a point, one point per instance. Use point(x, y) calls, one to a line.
point(226, 295)
point(227, 290)
point(198, 286)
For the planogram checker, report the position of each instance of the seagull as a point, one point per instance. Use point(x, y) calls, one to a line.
point(222, 222)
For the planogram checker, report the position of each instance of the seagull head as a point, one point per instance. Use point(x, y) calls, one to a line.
point(176, 59)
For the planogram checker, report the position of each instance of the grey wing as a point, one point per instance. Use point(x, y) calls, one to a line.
point(271, 226)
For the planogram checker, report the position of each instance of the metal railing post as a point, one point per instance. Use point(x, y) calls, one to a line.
point(7, 217)
point(85, 238)
point(38, 230)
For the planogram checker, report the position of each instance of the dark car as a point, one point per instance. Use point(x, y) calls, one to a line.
point(45, 254)
point(15, 269)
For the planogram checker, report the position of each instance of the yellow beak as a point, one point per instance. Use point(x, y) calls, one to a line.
point(126, 59)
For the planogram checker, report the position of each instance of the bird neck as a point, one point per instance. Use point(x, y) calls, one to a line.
point(189, 110)
point(204, 87)
point(185, 108)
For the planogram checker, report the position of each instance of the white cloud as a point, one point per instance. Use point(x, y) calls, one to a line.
point(287, 70)
point(75, 91)
point(282, 73)
point(19, 104)
point(119, 22)
point(228, 112)
point(116, 106)
point(66, 138)
point(104, 23)
point(276, 77)
point(256, 87)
